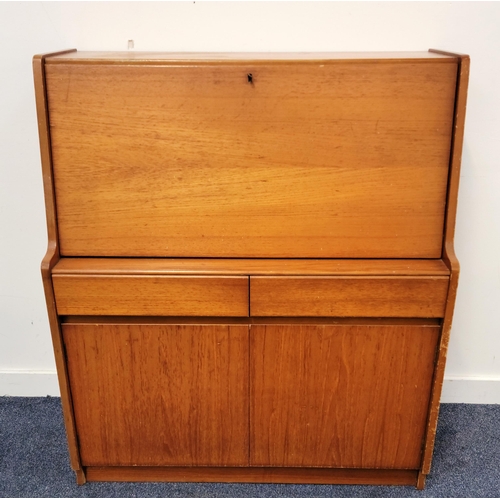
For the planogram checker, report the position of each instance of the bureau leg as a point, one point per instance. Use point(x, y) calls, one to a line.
point(80, 477)
point(421, 481)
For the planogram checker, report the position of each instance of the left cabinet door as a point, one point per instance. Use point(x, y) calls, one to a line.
point(159, 394)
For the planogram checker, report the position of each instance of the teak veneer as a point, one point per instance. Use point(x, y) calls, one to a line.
point(250, 273)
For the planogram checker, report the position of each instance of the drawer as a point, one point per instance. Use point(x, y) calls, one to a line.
point(151, 295)
point(383, 296)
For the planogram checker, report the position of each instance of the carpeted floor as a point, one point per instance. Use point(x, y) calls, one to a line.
point(34, 461)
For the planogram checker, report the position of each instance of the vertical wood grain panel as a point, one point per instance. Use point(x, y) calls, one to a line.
point(160, 394)
point(340, 396)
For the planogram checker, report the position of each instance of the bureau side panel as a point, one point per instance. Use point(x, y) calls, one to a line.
point(160, 394)
point(51, 258)
point(449, 256)
point(344, 159)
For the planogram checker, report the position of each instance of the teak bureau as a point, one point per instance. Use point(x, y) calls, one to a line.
point(250, 274)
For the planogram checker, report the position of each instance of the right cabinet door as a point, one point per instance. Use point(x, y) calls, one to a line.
point(340, 395)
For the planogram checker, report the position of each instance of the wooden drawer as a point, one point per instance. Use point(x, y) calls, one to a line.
point(403, 297)
point(151, 295)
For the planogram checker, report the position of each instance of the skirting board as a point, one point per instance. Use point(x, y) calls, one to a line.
point(28, 383)
point(471, 390)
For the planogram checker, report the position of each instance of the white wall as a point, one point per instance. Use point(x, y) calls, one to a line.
point(26, 359)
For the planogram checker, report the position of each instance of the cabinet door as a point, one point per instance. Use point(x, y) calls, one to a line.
point(340, 395)
point(159, 394)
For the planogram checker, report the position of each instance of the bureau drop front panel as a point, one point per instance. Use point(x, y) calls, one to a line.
point(250, 274)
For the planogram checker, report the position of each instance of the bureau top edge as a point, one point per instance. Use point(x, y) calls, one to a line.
point(133, 57)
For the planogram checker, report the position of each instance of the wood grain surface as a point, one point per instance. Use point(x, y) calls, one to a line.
point(340, 396)
point(160, 394)
point(139, 57)
point(306, 160)
point(387, 296)
point(449, 254)
point(254, 267)
point(52, 257)
point(151, 295)
point(294, 475)
point(217, 320)
point(252, 258)
point(421, 481)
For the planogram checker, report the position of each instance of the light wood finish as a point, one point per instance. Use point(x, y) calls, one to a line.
point(254, 267)
point(160, 395)
point(193, 160)
point(81, 479)
point(341, 396)
point(207, 320)
point(168, 58)
point(52, 257)
point(410, 297)
point(289, 475)
point(449, 255)
point(151, 295)
point(316, 192)
point(421, 481)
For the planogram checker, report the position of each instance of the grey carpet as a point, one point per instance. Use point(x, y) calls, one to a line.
point(34, 461)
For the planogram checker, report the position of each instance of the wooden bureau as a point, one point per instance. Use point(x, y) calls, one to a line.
point(250, 274)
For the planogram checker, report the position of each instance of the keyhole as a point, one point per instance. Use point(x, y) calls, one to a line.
point(250, 78)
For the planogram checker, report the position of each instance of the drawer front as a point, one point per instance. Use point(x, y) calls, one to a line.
point(404, 297)
point(151, 295)
point(347, 159)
